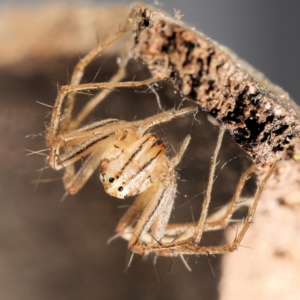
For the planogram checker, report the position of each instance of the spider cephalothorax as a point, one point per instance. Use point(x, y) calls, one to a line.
point(128, 168)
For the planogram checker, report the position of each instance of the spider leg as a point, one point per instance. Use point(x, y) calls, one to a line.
point(166, 116)
point(74, 183)
point(78, 73)
point(72, 154)
point(97, 99)
point(214, 224)
point(55, 124)
point(190, 248)
point(75, 137)
point(201, 223)
point(216, 221)
point(219, 220)
point(158, 202)
point(142, 126)
point(127, 223)
point(162, 219)
point(159, 225)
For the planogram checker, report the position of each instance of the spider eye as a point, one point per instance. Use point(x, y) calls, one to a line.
point(103, 177)
point(111, 179)
point(120, 189)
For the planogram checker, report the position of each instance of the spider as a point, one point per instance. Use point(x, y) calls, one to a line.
point(132, 161)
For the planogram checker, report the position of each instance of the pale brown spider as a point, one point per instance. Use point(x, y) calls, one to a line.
point(133, 162)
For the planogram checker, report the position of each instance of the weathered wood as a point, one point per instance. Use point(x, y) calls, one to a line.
point(259, 116)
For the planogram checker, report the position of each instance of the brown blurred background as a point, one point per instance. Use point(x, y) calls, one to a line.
point(57, 250)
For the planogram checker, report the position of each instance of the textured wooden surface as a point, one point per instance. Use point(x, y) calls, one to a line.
point(258, 115)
